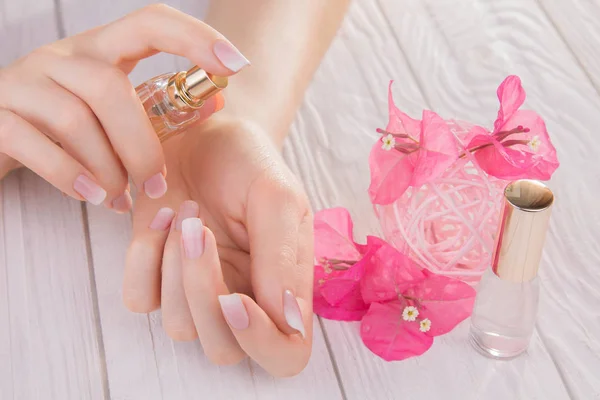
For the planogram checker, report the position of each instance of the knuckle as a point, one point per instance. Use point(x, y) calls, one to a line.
point(224, 356)
point(8, 125)
point(73, 119)
point(110, 81)
point(156, 9)
point(145, 255)
point(180, 333)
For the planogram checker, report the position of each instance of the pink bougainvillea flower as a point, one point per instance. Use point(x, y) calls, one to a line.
point(340, 266)
point(402, 306)
point(409, 305)
point(386, 334)
point(410, 153)
point(519, 146)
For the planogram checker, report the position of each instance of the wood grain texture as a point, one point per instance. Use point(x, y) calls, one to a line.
point(50, 322)
point(48, 343)
point(578, 24)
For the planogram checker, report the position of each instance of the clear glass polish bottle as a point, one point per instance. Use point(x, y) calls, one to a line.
point(506, 305)
point(172, 101)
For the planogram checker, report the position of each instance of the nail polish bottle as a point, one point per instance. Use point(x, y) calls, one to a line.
point(506, 305)
point(172, 101)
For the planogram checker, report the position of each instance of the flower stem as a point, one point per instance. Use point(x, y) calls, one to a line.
point(398, 135)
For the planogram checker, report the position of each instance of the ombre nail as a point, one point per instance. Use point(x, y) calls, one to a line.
point(230, 56)
point(122, 203)
point(192, 234)
point(291, 311)
point(188, 209)
point(89, 190)
point(234, 311)
point(156, 186)
point(162, 220)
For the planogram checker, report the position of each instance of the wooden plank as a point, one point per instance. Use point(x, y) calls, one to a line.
point(347, 101)
point(6, 374)
point(128, 343)
point(51, 324)
point(142, 361)
point(577, 23)
point(49, 348)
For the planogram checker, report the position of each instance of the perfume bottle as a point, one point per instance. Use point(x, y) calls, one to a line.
point(506, 305)
point(172, 101)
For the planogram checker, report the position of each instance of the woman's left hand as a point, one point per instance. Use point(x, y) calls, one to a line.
point(241, 277)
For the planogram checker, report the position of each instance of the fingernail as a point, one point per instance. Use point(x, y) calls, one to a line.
point(188, 209)
point(122, 203)
point(234, 311)
point(156, 186)
point(89, 190)
point(229, 56)
point(162, 219)
point(291, 311)
point(192, 234)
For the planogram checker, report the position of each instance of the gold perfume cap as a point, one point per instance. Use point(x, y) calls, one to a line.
point(190, 89)
point(201, 85)
point(522, 231)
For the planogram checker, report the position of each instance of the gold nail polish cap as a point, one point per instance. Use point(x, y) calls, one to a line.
point(522, 231)
point(190, 89)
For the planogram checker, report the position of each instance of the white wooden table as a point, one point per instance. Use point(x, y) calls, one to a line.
point(64, 333)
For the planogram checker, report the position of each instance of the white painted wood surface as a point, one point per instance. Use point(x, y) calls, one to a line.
point(64, 333)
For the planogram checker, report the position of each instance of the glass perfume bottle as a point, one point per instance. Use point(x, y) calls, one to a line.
point(172, 101)
point(506, 305)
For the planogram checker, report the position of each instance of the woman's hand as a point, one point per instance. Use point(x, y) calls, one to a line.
point(254, 239)
point(75, 93)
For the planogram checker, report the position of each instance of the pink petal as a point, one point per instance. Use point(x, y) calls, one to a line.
point(338, 285)
point(438, 149)
point(511, 95)
point(387, 274)
point(337, 295)
point(445, 301)
point(400, 122)
point(518, 161)
point(386, 334)
point(333, 235)
point(391, 173)
point(351, 310)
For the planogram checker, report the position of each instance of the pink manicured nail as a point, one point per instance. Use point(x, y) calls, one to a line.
point(89, 190)
point(234, 311)
point(192, 234)
point(188, 209)
point(122, 203)
point(156, 186)
point(229, 55)
point(162, 219)
point(292, 313)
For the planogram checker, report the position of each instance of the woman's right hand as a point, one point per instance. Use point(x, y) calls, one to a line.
point(69, 113)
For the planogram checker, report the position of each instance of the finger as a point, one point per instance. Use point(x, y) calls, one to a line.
point(141, 282)
point(203, 282)
point(275, 214)
point(176, 317)
point(23, 142)
point(109, 94)
point(260, 338)
point(159, 28)
point(69, 121)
